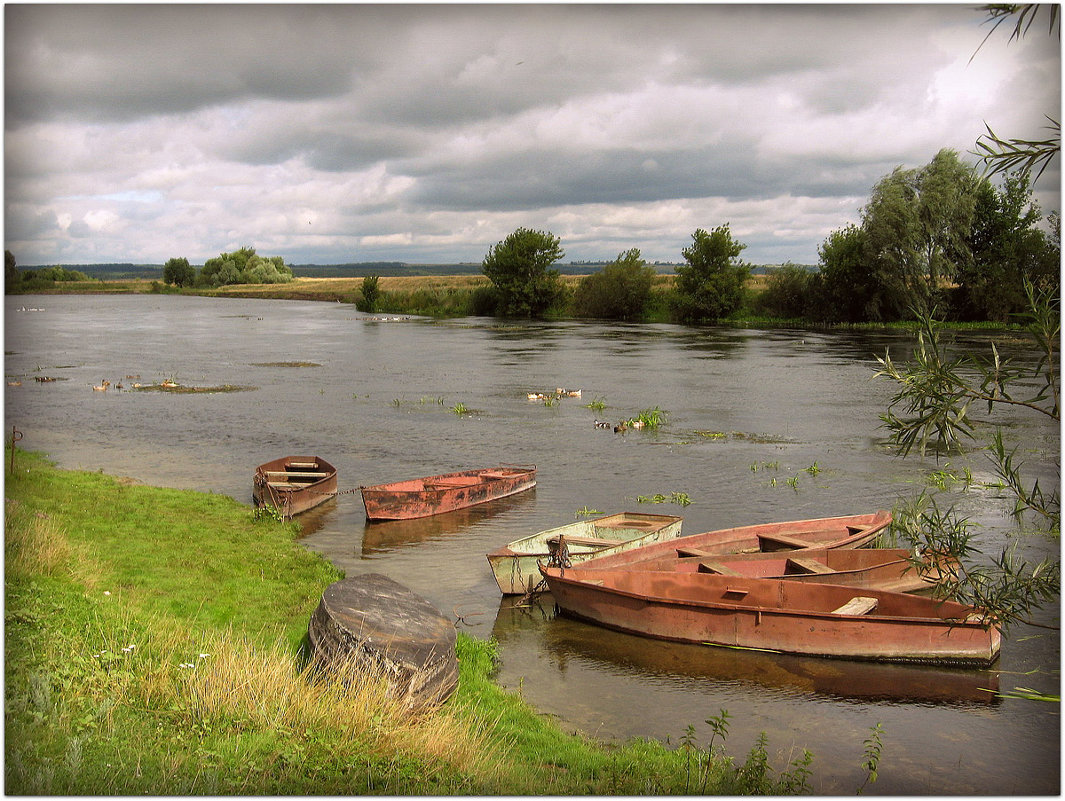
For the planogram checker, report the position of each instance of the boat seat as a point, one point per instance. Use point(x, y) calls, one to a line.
point(785, 540)
point(302, 465)
point(283, 485)
point(807, 565)
point(592, 541)
point(458, 481)
point(689, 551)
point(859, 605)
point(271, 474)
point(710, 566)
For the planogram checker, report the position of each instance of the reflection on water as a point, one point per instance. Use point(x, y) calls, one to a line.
point(770, 404)
point(789, 677)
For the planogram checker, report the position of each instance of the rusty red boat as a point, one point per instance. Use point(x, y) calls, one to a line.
point(432, 495)
point(893, 569)
point(827, 533)
point(294, 484)
point(776, 615)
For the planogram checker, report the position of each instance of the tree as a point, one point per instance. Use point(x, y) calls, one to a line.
point(518, 267)
point(619, 292)
point(11, 275)
point(371, 294)
point(1003, 155)
point(710, 286)
point(934, 397)
point(179, 272)
point(244, 266)
point(916, 224)
point(847, 290)
point(1005, 249)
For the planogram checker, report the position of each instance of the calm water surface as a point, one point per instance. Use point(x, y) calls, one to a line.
point(747, 411)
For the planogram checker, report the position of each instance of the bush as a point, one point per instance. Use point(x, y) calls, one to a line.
point(619, 292)
point(484, 302)
point(789, 292)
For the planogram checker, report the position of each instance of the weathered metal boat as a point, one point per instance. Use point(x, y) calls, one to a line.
point(776, 615)
point(850, 531)
point(294, 484)
point(422, 497)
point(877, 568)
point(514, 565)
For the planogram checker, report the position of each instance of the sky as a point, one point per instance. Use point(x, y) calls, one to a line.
point(333, 133)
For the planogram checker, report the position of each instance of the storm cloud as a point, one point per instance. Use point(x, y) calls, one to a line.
point(426, 133)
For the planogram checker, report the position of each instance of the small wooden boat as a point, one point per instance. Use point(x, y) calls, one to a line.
point(294, 484)
point(829, 533)
point(876, 568)
point(422, 497)
point(776, 615)
point(514, 565)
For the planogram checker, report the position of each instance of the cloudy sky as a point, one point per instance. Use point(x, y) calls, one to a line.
point(427, 133)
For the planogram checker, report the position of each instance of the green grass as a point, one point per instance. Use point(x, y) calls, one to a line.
point(153, 645)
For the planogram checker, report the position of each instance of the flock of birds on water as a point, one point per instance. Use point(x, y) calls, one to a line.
point(560, 392)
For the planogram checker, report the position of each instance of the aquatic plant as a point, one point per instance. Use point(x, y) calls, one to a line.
point(596, 403)
point(459, 408)
point(679, 498)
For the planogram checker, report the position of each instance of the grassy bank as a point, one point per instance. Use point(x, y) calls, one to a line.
point(153, 641)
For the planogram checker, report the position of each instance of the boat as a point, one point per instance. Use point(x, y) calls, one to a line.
point(828, 533)
point(774, 677)
point(422, 497)
point(294, 484)
point(514, 565)
point(792, 617)
point(880, 568)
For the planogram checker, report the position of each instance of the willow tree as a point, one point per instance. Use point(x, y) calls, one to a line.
point(916, 227)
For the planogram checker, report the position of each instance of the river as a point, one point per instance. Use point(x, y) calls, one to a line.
point(760, 425)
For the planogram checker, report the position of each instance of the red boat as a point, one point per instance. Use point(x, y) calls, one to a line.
point(776, 615)
point(294, 484)
point(878, 568)
point(422, 497)
point(851, 531)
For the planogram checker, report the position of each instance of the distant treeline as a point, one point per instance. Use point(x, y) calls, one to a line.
point(123, 270)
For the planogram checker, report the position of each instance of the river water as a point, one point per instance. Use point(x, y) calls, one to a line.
point(760, 425)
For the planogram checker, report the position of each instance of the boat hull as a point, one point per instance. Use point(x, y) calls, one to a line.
point(294, 484)
point(515, 564)
point(432, 495)
point(775, 615)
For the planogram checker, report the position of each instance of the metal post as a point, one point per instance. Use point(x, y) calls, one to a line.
point(16, 436)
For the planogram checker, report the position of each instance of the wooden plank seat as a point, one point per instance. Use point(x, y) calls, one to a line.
point(786, 540)
point(859, 605)
point(710, 566)
point(592, 541)
point(693, 552)
point(284, 485)
point(286, 474)
point(804, 565)
point(302, 465)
